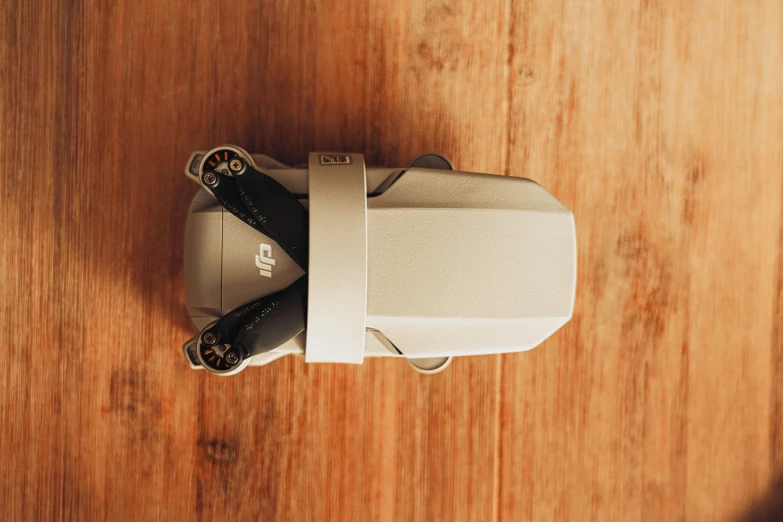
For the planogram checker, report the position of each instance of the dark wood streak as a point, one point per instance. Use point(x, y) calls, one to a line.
point(650, 293)
point(776, 345)
point(68, 209)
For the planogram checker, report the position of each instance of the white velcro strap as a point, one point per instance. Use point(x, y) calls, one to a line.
point(337, 273)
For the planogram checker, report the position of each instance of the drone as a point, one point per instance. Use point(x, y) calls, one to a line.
point(338, 262)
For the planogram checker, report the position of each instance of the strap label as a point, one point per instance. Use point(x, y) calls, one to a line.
point(335, 159)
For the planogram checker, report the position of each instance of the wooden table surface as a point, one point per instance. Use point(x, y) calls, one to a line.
point(659, 124)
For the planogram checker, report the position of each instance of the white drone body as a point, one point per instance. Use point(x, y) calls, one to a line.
point(424, 263)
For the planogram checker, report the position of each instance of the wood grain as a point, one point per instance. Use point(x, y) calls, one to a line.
point(663, 135)
point(660, 124)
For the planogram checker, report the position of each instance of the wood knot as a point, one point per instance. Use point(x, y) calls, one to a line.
point(220, 452)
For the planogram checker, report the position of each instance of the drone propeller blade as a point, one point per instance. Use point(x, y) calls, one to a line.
point(225, 191)
point(277, 211)
point(281, 317)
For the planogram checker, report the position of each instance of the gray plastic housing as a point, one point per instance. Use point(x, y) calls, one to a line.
point(458, 263)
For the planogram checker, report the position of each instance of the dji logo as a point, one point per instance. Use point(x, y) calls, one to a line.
point(264, 260)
